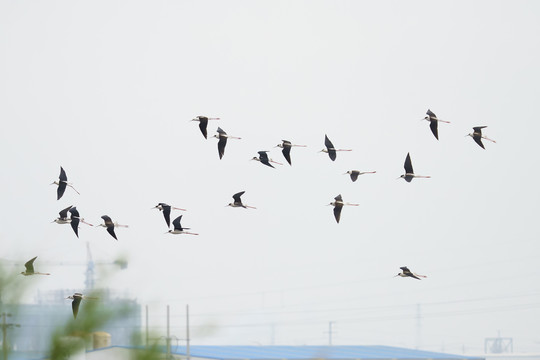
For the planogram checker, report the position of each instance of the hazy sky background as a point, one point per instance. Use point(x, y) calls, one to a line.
point(106, 89)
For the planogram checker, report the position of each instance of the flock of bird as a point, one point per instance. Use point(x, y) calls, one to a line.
point(75, 218)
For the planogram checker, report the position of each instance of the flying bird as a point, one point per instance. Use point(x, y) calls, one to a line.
point(222, 136)
point(263, 159)
point(203, 123)
point(74, 219)
point(408, 273)
point(433, 123)
point(166, 211)
point(286, 149)
point(409, 173)
point(110, 225)
point(338, 205)
point(62, 183)
point(330, 149)
point(77, 297)
point(477, 136)
point(178, 229)
point(29, 265)
point(63, 218)
point(238, 202)
point(355, 173)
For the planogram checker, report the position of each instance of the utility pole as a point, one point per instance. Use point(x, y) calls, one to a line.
point(5, 327)
point(168, 336)
point(187, 333)
point(418, 325)
point(330, 323)
point(147, 342)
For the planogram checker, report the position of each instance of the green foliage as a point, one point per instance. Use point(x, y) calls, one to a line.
point(76, 333)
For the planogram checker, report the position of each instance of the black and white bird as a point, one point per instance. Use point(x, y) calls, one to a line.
point(110, 225)
point(178, 229)
point(408, 273)
point(29, 265)
point(264, 159)
point(63, 218)
point(77, 298)
point(167, 211)
point(409, 172)
point(355, 173)
point(203, 123)
point(477, 136)
point(286, 149)
point(330, 149)
point(434, 123)
point(238, 202)
point(62, 183)
point(75, 219)
point(222, 136)
point(338, 206)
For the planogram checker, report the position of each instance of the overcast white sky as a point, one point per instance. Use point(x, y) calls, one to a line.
point(106, 90)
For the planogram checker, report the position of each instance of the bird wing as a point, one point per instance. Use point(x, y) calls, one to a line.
point(287, 152)
point(478, 129)
point(63, 176)
point(338, 198)
point(176, 223)
point(203, 123)
point(108, 221)
point(63, 213)
point(354, 175)
point(74, 212)
point(478, 140)
point(220, 131)
point(167, 214)
point(221, 146)
point(263, 156)
point(431, 114)
point(75, 224)
point(408, 165)
point(328, 143)
point(29, 265)
point(433, 125)
point(405, 269)
point(236, 197)
point(75, 305)
point(60, 190)
point(337, 211)
point(110, 230)
point(332, 153)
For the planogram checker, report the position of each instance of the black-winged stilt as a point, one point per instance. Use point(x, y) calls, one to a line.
point(355, 173)
point(408, 273)
point(338, 205)
point(62, 183)
point(29, 265)
point(178, 229)
point(166, 211)
point(286, 149)
point(330, 149)
point(433, 123)
point(409, 172)
point(477, 136)
point(203, 123)
point(238, 202)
